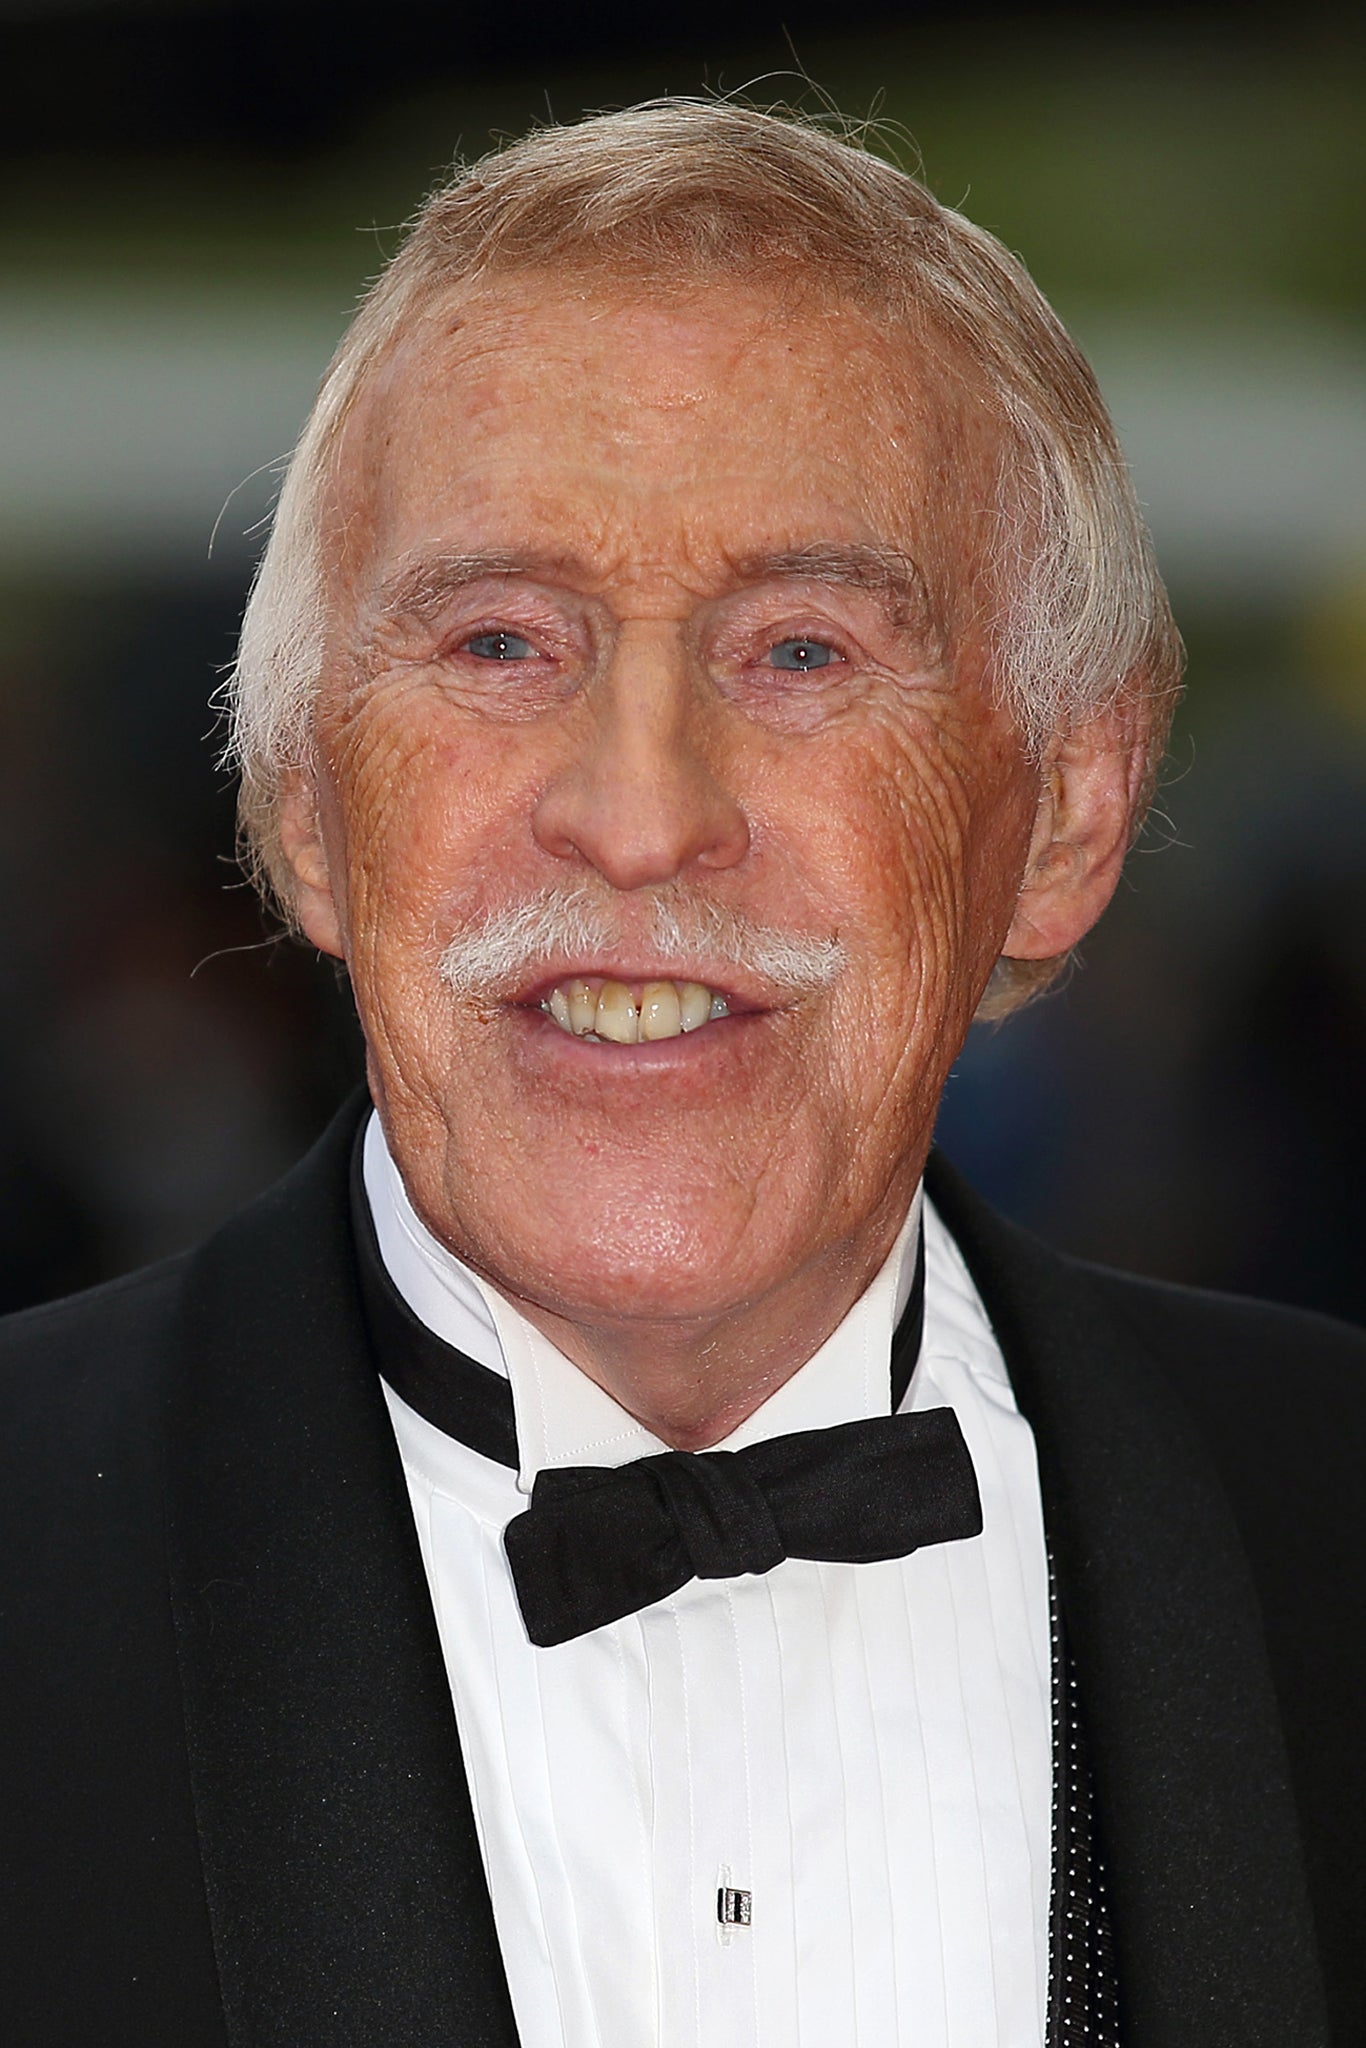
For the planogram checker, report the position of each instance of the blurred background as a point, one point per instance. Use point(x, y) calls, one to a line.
point(191, 197)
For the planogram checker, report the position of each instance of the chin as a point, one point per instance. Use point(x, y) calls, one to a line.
point(603, 1270)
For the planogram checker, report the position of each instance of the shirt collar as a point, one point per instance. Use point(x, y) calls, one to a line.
point(563, 1417)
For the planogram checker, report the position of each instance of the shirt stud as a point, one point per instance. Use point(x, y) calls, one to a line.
point(732, 1906)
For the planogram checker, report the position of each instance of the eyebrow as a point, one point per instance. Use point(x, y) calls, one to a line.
point(420, 586)
point(887, 572)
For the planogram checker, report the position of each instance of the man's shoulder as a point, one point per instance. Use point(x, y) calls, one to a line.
point(1270, 1400)
point(1232, 1345)
point(49, 1326)
point(1243, 1347)
point(105, 1333)
point(1278, 1396)
point(1274, 1396)
point(81, 1401)
point(101, 1392)
point(86, 1343)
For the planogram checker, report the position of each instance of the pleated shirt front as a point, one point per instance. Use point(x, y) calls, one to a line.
point(856, 1757)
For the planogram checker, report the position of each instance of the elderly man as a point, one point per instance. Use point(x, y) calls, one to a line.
point(615, 1550)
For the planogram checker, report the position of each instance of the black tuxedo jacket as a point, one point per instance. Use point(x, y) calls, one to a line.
point(234, 1809)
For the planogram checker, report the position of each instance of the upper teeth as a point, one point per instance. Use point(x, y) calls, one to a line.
point(627, 1013)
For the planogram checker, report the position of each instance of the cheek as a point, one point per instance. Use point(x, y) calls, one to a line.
point(431, 806)
point(923, 862)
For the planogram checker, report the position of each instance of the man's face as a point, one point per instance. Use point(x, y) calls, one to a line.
point(637, 599)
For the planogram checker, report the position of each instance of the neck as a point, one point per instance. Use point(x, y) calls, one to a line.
point(692, 1381)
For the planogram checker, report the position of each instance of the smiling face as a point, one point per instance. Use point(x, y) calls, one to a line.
point(664, 611)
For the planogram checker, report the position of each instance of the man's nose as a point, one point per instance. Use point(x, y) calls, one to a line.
point(644, 796)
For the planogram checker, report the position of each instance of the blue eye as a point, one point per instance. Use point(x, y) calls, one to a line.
point(499, 647)
point(801, 655)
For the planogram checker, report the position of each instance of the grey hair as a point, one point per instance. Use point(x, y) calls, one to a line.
point(680, 189)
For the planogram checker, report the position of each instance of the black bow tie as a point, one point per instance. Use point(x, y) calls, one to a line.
point(597, 1543)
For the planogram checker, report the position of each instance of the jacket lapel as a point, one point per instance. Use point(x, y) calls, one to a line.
point(345, 1885)
point(1195, 1818)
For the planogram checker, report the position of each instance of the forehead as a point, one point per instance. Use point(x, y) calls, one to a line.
point(714, 419)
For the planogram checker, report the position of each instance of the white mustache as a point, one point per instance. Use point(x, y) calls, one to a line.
point(508, 946)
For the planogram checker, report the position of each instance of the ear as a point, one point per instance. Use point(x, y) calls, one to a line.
point(1088, 805)
point(318, 906)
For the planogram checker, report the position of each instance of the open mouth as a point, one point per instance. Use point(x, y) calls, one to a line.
point(631, 1012)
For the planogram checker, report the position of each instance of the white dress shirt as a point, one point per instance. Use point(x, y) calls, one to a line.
point(864, 1749)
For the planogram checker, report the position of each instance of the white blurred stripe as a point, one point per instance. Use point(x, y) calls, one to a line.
point(128, 414)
